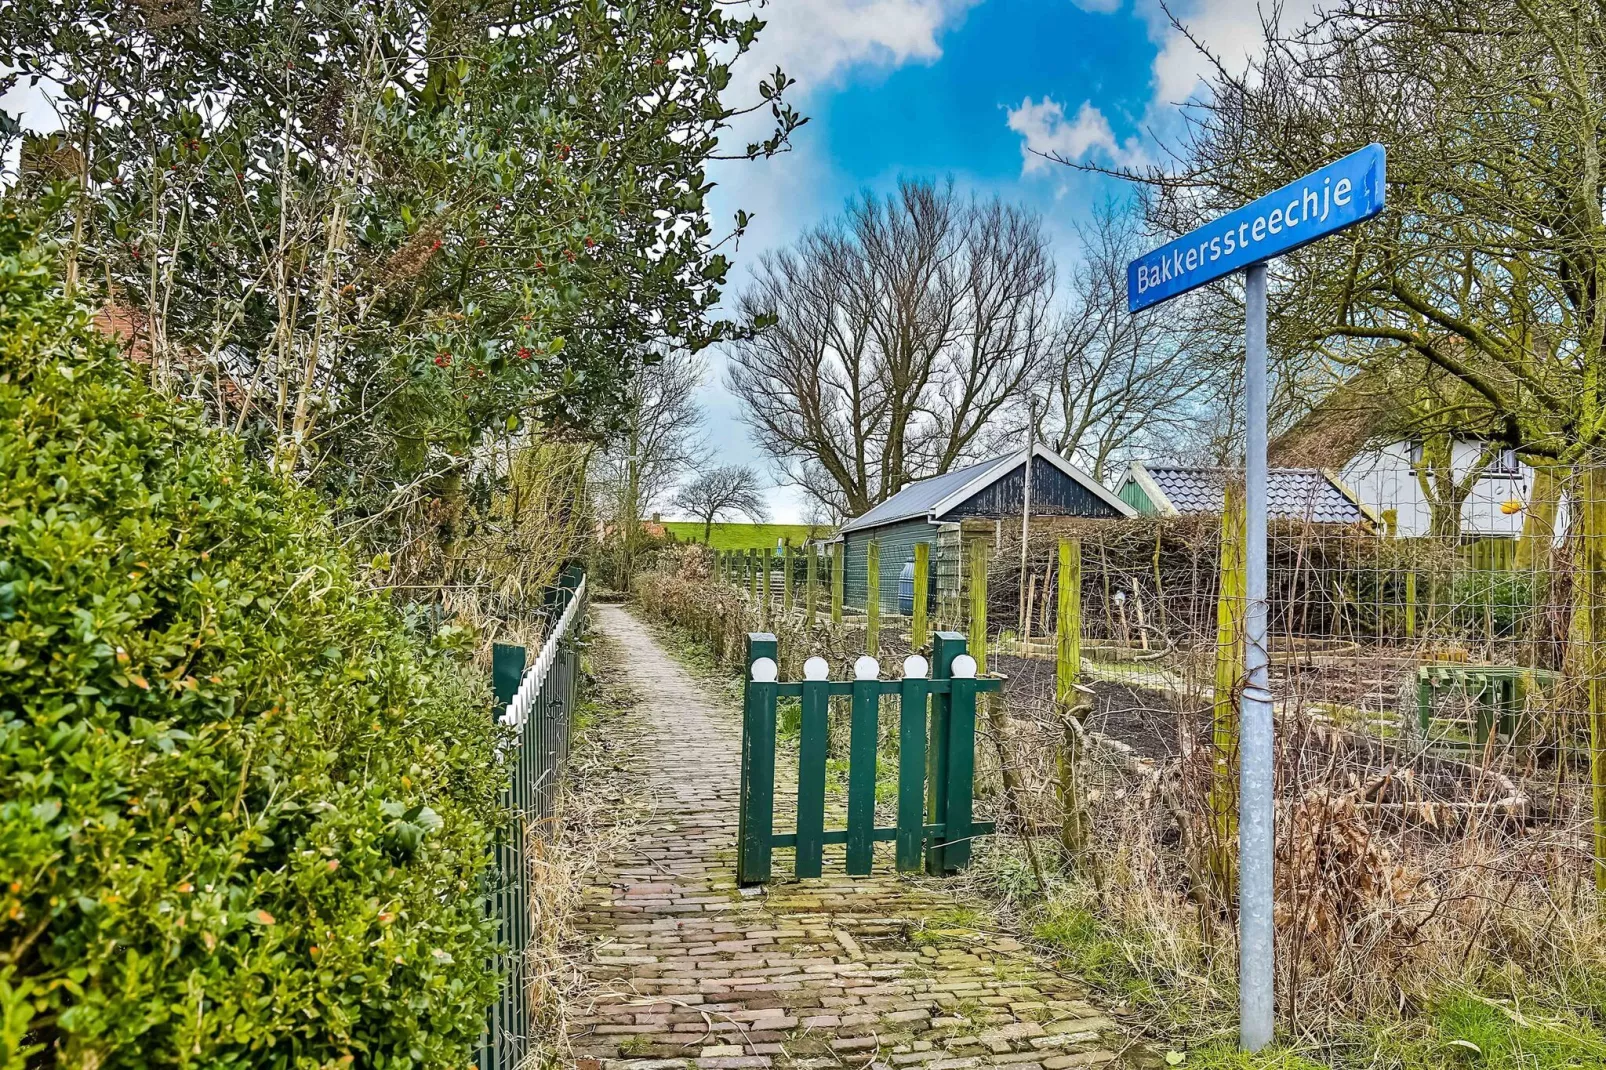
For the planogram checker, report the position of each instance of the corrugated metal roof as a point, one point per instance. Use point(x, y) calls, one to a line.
point(918, 498)
point(1293, 493)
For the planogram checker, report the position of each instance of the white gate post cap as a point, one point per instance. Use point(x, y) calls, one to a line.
point(866, 668)
point(765, 671)
point(816, 668)
point(915, 667)
point(963, 667)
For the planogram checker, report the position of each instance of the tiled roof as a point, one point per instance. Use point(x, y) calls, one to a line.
point(1295, 493)
point(917, 499)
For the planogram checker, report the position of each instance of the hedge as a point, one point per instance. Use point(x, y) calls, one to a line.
point(244, 811)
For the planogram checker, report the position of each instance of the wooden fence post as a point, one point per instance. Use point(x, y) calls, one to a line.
point(767, 558)
point(786, 577)
point(1067, 665)
point(978, 604)
point(838, 554)
point(945, 646)
point(756, 800)
point(809, 579)
point(1230, 609)
point(1410, 601)
point(917, 624)
point(872, 598)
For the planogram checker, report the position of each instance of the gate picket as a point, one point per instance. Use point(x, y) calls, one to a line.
point(912, 762)
point(862, 738)
point(813, 738)
point(936, 762)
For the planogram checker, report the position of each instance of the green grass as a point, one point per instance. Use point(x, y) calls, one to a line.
point(742, 536)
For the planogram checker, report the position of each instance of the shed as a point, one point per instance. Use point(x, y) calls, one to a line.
point(994, 489)
point(1311, 494)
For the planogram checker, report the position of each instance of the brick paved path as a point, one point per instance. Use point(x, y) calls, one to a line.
point(686, 971)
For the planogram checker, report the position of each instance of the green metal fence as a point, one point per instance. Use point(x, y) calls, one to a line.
point(540, 702)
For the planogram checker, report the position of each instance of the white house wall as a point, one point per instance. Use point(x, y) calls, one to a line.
point(1382, 479)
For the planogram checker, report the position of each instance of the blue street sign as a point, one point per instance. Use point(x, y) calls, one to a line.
point(1341, 194)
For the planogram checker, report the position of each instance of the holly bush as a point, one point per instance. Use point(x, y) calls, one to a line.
point(245, 811)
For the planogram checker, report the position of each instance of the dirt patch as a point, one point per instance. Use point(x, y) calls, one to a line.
point(1147, 720)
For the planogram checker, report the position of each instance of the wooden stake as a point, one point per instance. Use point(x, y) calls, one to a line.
point(1230, 606)
point(1067, 666)
point(810, 578)
point(917, 625)
point(836, 581)
point(872, 598)
point(978, 604)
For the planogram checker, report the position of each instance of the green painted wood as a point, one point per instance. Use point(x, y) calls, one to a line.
point(811, 751)
point(872, 599)
point(884, 835)
point(897, 544)
point(836, 583)
point(844, 688)
point(945, 646)
point(917, 623)
point(756, 803)
point(961, 773)
point(507, 669)
point(1137, 498)
point(911, 770)
point(862, 775)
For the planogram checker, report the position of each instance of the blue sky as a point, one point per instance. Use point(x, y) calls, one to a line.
point(960, 89)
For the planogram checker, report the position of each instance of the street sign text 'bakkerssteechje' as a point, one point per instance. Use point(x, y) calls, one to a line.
point(1344, 192)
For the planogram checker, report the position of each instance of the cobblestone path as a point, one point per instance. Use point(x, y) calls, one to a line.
point(686, 971)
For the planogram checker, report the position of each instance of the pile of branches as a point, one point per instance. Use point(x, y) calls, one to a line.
point(1325, 580)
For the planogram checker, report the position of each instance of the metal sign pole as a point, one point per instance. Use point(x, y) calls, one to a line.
point(1256, 981)
point(1347, 191)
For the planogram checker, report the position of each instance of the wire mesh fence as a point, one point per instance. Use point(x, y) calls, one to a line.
point(1440, 745)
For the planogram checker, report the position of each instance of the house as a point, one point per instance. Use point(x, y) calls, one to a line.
point(931, 511)
point(1361, 431)
point(1308, 494)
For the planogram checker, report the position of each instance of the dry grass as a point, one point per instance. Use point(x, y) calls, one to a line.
point(1434, 907)
point(591, 820)
point(1400, 887)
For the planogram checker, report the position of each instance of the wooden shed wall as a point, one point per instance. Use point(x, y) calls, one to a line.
point(1053, 494)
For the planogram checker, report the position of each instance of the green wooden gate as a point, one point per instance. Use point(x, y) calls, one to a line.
point(936, 762)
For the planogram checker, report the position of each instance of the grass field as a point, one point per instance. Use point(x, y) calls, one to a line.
point(740, 536)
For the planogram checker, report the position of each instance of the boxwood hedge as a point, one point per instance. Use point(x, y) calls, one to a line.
point(244, 813)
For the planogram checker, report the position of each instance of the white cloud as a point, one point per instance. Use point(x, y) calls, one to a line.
point(815, 40)
point(1230, 29)
point(1044, 129)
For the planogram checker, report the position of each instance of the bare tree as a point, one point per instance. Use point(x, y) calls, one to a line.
point(884, 341)
point(661, 441)
point(730, 488)
point(1118, 382)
